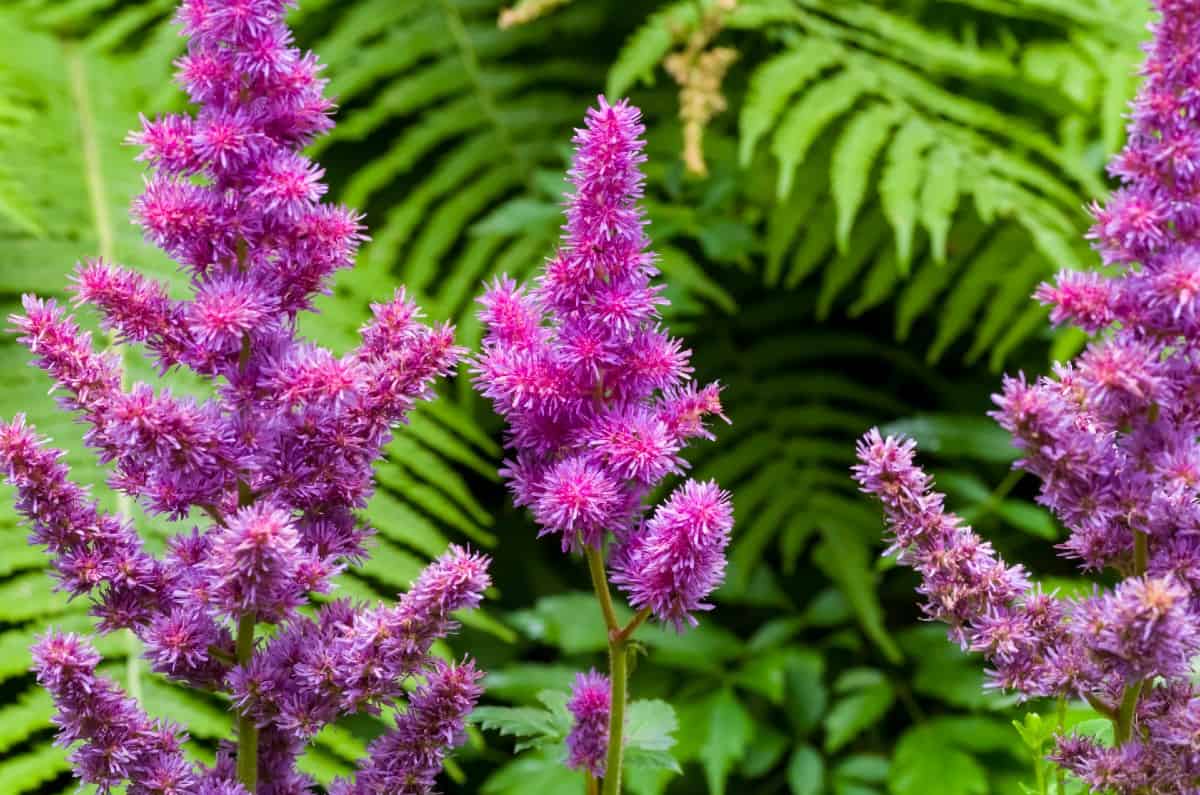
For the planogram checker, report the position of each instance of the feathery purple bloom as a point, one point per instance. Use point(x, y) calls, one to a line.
point(597, 395)
point(278, 458)
point(1112, 437)
point(599, 404)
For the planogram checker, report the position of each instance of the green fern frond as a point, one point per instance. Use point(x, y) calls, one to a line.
point(1011, 111)
point(785, 457)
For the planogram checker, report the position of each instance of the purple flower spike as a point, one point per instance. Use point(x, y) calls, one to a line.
point(989, 605)
point(405, 760)
point(587, 743)
point(114, 741)
point(597, 395)
point(1112, 437)
point(600, 404)
point(274, 466)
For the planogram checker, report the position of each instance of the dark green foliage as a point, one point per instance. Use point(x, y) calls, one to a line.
point(891, 181)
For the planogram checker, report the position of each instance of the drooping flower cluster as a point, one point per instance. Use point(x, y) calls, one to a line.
point(277, 460)
point(1113, 437)
point(598, 396)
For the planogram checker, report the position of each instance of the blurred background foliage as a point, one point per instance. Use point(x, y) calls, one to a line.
point(852, 201)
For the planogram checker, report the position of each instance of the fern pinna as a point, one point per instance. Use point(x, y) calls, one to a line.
point(277, 461)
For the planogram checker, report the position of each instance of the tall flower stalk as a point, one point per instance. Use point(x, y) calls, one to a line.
point(600, 404)
point(270, 471)
point(1113, 438)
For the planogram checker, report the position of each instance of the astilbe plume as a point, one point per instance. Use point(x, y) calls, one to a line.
point(1113, 438)
point(600, 404)
point(276, 463)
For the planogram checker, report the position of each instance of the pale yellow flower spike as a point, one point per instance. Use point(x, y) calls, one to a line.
point(699, 72)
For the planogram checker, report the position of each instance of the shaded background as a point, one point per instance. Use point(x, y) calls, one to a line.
point(889, 182)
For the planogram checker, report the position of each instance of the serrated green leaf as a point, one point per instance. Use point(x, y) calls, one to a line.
point(534, 726)
point(646, 48)
point(649, 729)
point(939, 196)
point(650, 724)
point(27, 772)
point(773, 83)
point(29, 713)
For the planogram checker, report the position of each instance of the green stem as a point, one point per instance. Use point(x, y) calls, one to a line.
point(1122, 720)
point(1039, 771)
point(630, 628)
point(1061, 772)
point(1123, 726)
point(600, 584)
point(618, 664)
point(618, 668)
point(247, 730)
point(1101, 706)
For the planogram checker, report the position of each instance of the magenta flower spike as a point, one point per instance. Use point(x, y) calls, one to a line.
point(600, 404)
point(1113, 438)
point(276, 463)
